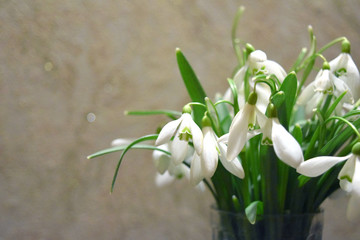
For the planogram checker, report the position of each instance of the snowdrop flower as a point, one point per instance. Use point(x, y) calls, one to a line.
point(286, 148)
point(182, 129)
point(325, 83)
point(205, 164)
point(168, 172)
point(243, 121)
point(345, 69)
point(349, 176)
point(256, 64)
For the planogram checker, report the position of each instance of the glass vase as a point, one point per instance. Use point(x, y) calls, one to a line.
point(235, 226)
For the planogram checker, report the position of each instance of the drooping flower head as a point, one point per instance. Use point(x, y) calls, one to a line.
point(345, 69)
point(349, 176)
point(183, 130)
point(204, 165)
point(256, 64)
point(325, 83)
point(285, 146)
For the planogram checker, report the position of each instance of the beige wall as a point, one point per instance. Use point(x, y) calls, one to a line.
point(61, 60)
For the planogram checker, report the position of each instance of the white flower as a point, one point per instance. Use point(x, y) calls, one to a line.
point(325, 83)
point(316, 91)
point(243, 121)
point(182, 129)
point(205, 164)
point(286, 148)
point(345, 69)
point(349, 176)
point(257, 63)
point(285, 145)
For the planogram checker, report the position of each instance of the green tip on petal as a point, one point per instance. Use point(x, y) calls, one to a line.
point(326, 66)
point(356, 149)
point(252, 98)
point(345, 46)
point(249, 48)
point(206, 121)
point(186, 109)
point(271, 111)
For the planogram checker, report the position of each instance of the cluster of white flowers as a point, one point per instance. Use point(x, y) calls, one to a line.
point(258, 115)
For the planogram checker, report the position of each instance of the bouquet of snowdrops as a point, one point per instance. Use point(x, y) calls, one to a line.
point(276, 142)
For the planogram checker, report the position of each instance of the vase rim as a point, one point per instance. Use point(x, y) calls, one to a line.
point(214, 208)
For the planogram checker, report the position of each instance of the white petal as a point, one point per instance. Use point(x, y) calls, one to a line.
point(239, 77)
point(197, 136)
point(162, 180)
point(209, 155)
point(313, 104)
point(273, 67)
point(179, 149)
point(263, 91)
point(161, 160)
point(316, 166)
point(224, 138)
point(353, 209)
point(266, 127)
point(168, 131)
point(234, 166)
point(256, 57)
point(340, 87)
point(347, 173)
point(195, 170)
point(238, 132)
point(352, 76)
point(285, 145)
point(322, 82)
point(120, 142)
point(306, 94)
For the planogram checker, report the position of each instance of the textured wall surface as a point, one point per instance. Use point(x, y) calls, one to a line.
point(64, 62)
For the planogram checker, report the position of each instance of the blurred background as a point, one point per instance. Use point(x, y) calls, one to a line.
point(70, 68)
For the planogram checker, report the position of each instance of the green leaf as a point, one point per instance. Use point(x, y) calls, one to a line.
point(339, 139)
point(224, 116)
point(255, 208)
point(299, 59)
point(278, 98)
point(169, 113)
point(303, 179)
point(235, 95)
point(192, 84)
point(141, 139)
point(121, 148)
point(333, 106)
point(289, 87)
point(297, 133)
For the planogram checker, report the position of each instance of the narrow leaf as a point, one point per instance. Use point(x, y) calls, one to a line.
point(121, 148)
point(332, 108)
point(339, 139)
point(289, 87)
point(141, 139)
point(255, 208)
point(169, 113)
point(303, 179)
point(192, 84)
point(235, 95)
